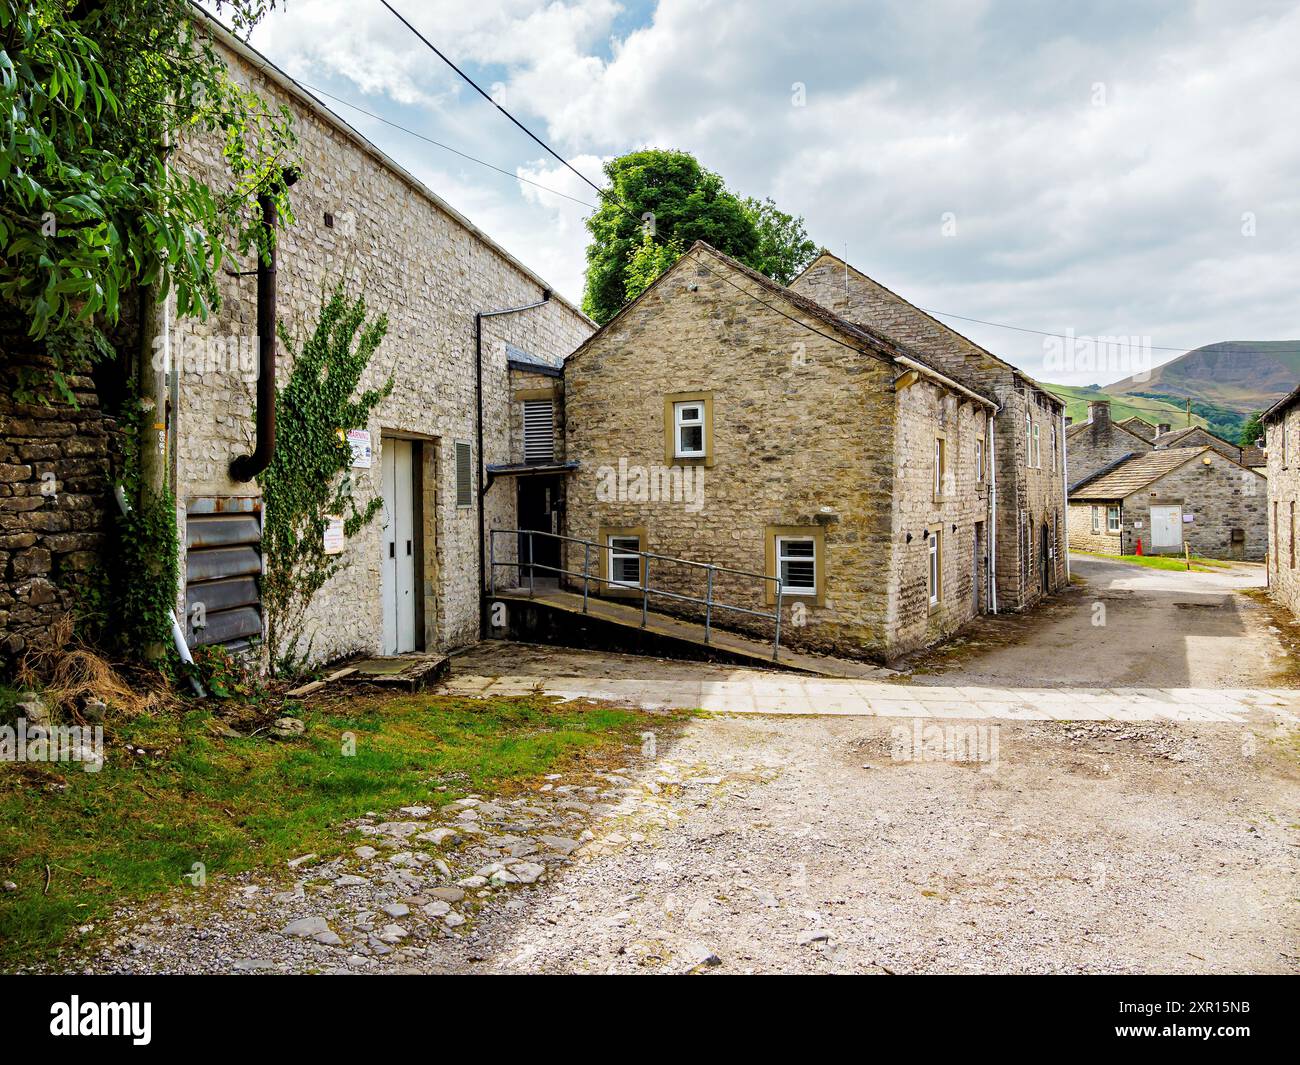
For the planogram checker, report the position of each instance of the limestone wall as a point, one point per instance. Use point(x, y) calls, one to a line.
point(1283, 439)
point(429, 271)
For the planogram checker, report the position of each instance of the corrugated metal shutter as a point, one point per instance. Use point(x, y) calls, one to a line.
point(539, 430)
point(223, 561)
point(464, 476)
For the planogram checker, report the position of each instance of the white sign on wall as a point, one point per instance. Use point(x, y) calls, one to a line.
point(334, 535)
point(362, 453)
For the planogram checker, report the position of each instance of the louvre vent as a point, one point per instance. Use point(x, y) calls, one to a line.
point(464, 476)
point(539, 430)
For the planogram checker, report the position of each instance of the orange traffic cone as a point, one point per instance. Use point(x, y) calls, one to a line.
point(1139, 550)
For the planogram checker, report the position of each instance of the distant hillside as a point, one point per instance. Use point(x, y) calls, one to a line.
point(1240, 376)
point(1154, 411)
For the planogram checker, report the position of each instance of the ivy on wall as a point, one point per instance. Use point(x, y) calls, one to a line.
point(309, 478)
point(144, 564)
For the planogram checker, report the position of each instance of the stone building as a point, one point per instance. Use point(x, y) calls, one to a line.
point(411, 579)
point(1168, 498)
point(1282, 444)
point(723, 418)
point(1028, 462)
point(1099, 442)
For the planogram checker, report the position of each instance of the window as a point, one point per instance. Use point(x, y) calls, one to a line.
point(1112, 519)
point(796, 564)
point(688, 430)
point(979, 460)
point(539, 430)
point(624, 561)
point(936, 558)
point(1053, 445)
point(1038, 451)
point(1293, 534)
point(795, 556)
point(940, 459)
point(464, 476)
point(1029, 439)
point(1096, 519)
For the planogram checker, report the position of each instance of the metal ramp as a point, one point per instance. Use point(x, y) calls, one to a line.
point(703, 639)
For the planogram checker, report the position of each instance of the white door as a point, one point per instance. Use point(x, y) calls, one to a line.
point(1166, 528)
point(397, 575)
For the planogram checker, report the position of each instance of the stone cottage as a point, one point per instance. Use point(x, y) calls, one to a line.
point(1027, 462)
point(1100, 442)
point(1168, 499)
point(1282, 444)
point(722, 418)
point(411, 580)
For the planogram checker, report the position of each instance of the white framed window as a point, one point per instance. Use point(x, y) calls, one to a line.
point(624, 561)
point(1096, 519)
point(1038, 450)
point(979, 460)
point(940, 460)
point(688, 430)
point(1112, 519)
point(1029, 439)
point(796, 565)
point(936, 558)
point(1053, 445)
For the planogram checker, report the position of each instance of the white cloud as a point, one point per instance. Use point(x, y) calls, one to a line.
point(1123, 218)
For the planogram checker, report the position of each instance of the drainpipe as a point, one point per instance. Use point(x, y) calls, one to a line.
point(1065, 499)
point(246, 467)
point(478, 434)
point(993, 518)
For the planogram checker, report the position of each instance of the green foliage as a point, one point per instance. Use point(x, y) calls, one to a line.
point(133, 831)
point(668, 196)
point(92, 96)
point(227, 676)
point(1253, 430)
point(144, 564)
point(784, 247)
point(309, 478)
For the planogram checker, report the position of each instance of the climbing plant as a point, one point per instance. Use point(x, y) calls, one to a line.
point(309, 480)
point(143, 559)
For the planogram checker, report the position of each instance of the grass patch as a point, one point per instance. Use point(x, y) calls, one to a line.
point(173, 793)
point(1171, 562)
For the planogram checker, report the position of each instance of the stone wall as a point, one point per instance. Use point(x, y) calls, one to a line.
point(927, 412)
point(1027, 496)
point(1283, 440)
point(806, 435)
point(361, 219)
point(1099, 442)
point(1082, 538)
point(55, 492)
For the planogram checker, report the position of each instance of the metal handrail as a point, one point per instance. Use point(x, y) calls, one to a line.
point(708, 602)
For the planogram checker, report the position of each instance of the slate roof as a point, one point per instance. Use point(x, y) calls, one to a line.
point(1139, 426)
point(875, 342)
point(1138, 472)
point(527, 358)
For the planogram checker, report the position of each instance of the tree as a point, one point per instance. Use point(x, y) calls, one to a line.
point(1252, 432)
point(658, 204)
point(784, 247)
point(93, 96)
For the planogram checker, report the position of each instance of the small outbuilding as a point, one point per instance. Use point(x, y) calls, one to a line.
point(1170, 499)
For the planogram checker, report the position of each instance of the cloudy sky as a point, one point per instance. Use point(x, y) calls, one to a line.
point(1107, 168)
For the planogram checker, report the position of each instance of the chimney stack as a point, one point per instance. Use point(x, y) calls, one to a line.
point(1163, 428)
point(1099, 412)
point(1068, 421)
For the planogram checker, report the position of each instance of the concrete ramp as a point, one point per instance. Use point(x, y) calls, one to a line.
point(558, 617)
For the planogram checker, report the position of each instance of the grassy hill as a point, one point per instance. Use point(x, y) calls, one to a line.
point(1077, 398)
point(1238, 376)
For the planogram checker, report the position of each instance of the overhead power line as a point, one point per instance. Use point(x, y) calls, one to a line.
point(609, 194)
